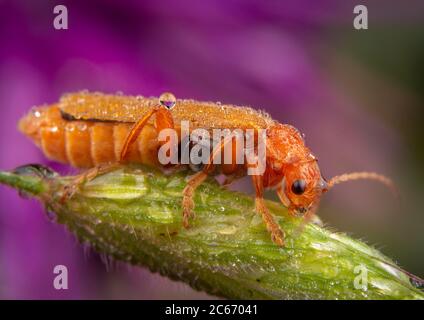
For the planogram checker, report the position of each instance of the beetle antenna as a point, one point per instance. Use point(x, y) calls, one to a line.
point(364, 176)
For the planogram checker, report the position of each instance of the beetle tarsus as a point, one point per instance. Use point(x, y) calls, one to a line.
point(277, 234)
point(188, 194)
point(68, 191)
point(71, 188)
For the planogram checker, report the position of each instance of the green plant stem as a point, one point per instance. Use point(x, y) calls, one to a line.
point(134, 214)
point(32, 185)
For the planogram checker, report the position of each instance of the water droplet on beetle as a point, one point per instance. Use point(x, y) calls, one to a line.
point(82, 127)
point(167, 100)
point(36, 113)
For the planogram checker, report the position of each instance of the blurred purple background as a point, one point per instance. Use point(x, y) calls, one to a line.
point(357, 95)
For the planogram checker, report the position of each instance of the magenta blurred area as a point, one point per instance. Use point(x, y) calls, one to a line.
point(298, 60)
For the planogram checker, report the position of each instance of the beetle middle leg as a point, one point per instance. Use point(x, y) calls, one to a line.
point(197, 179)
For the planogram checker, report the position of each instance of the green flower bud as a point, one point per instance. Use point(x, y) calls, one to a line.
point(134, 214)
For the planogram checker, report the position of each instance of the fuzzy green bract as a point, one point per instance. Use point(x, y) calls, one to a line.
point(133, 214)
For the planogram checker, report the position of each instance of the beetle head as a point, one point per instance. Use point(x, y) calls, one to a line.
point(302, 186)
point(293, 169)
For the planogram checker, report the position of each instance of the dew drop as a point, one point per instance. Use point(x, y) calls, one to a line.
point(312, 156)
point(82, 127)
point(167, 100)
point(36, 113)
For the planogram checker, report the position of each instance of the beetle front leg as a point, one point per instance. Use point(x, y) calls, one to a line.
point(277, 234)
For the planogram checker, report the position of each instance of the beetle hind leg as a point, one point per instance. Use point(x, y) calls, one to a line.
point(72, 187)
point(164, 120)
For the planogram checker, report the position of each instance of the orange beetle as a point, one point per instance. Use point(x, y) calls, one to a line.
point(98, 131)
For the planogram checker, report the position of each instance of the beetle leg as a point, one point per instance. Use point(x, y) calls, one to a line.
point(277, 235)
point(135, 132)
point(72, 187)
point(197, 179)
point(163, 121)
point(188, 194)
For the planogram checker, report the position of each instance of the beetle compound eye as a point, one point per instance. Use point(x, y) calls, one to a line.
point(298, 187)
point(167, 100)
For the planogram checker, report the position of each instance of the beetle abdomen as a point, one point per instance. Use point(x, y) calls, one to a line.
point(84, 144)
